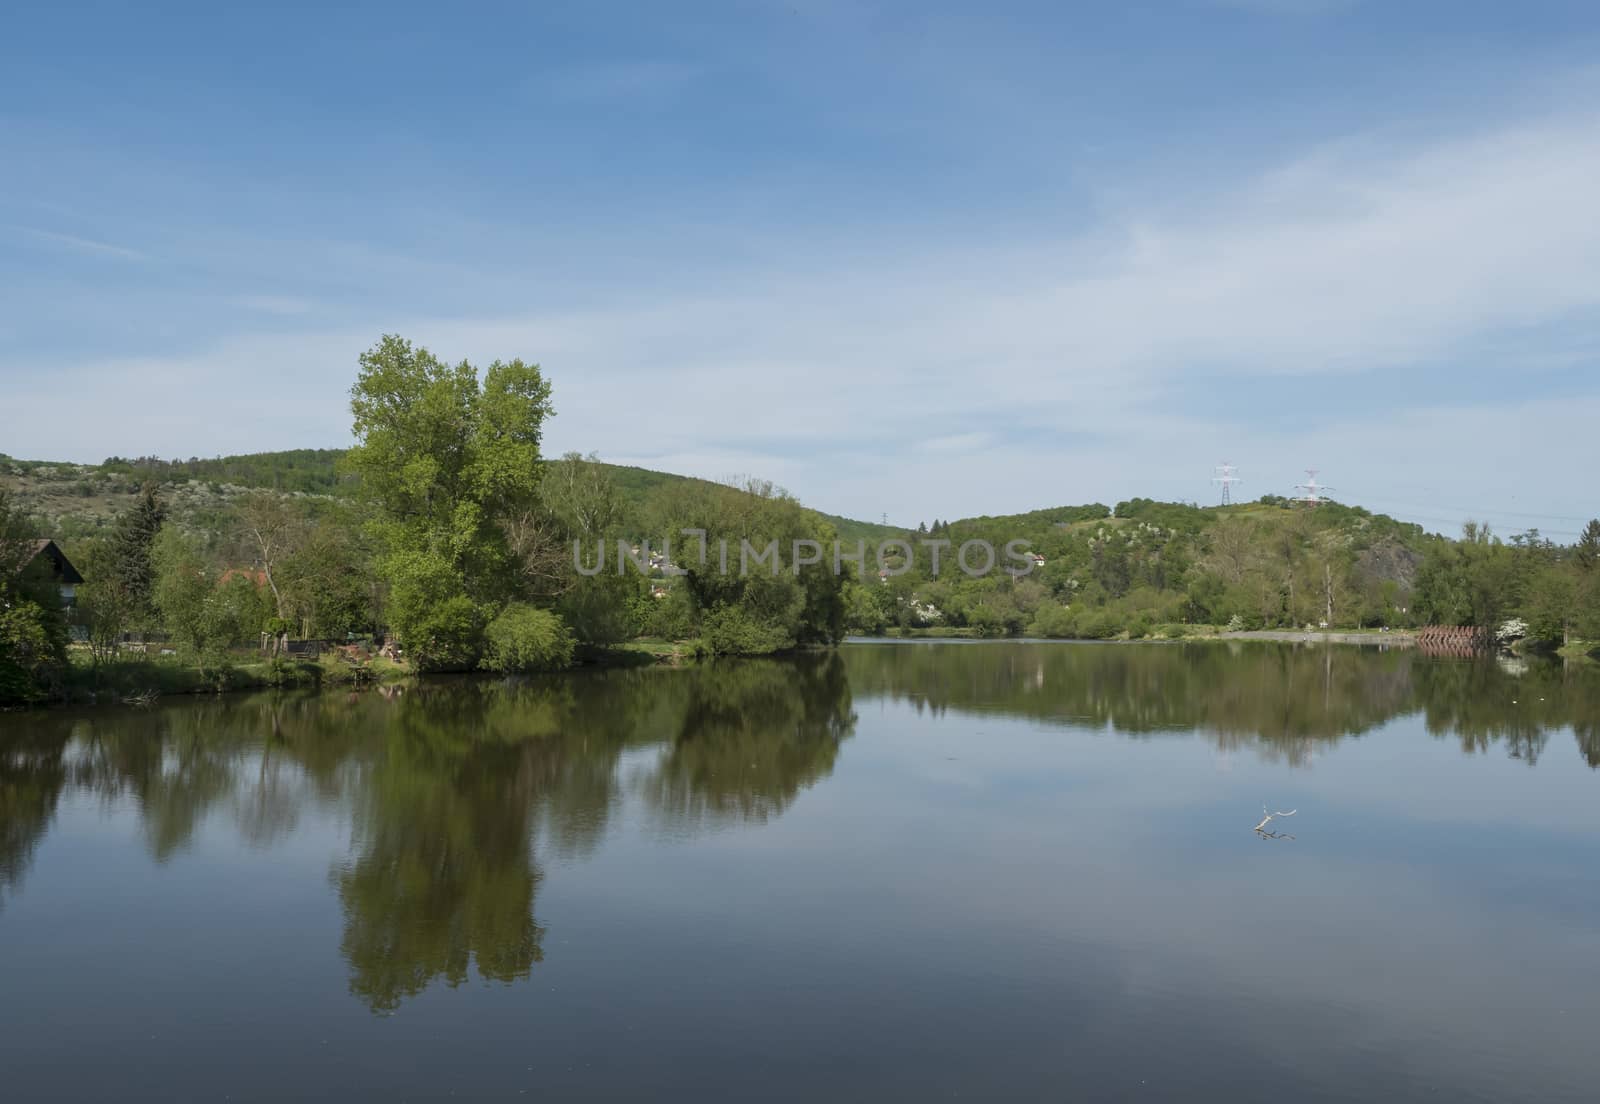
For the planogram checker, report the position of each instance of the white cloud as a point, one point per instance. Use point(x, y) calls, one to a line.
point(1033, 375)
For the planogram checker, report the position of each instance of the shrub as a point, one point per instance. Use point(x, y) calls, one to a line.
point(32, 652)
point(736, 630)
point(524, 638)
point(670, 618)
point(439, 625)
point(603, 609)
point(1054, 621)
point(448, 637)
point(986, 619)
point(1098, 625)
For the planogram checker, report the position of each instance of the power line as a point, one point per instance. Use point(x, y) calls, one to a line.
point(1226, 477)
point(1313, 490)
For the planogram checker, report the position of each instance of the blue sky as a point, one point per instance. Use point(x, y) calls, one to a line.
point(916, 259)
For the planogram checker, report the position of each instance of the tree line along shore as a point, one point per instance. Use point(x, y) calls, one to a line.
point(443, 540)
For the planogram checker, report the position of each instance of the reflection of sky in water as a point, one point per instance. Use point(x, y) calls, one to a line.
point(965, 900)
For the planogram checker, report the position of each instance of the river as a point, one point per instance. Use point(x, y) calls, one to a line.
point(899, 871)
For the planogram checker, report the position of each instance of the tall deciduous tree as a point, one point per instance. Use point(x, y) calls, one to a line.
point(271, 530)
point(446, 458)
point(105, 609)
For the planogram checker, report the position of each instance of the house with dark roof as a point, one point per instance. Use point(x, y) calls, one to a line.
point(47, 559)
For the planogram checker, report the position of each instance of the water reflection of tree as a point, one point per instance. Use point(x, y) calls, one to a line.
point(751, 736)
point(456, 789)
point(444, 875)
point(1282, 702)
point(32, 776)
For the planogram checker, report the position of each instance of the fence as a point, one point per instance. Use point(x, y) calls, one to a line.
point(1456, 640)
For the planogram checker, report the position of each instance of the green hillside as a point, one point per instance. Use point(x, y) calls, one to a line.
point(1128, 569)
point(1143, 564)
point(77, 501)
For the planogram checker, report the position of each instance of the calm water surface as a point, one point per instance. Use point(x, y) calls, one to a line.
point(901, 872)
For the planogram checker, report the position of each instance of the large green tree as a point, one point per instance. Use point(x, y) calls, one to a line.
point(448, 458)
point(1472, 581)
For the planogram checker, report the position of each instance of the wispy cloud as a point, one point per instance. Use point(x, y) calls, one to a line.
point(80, 244)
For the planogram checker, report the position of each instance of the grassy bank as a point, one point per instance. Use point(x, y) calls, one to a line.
point(146, 677)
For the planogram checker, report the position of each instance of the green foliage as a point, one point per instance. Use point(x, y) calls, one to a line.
point(327, 582)
point(203, 616)
point(1055, 621)
point(105, 607)
point(1467, 582)
point(864, 615)
point(448, 460)
point(33, 632)
point(523, 638)
point(605, 608)
point(449, 463)
point(32, 651)
point(444, 456)
point(738, 630)
point(672, 617)
point(1586, 554)
point(309, 471)
point(132, 544)
point(747, 593)
point(437, 621)
point(1552, 605)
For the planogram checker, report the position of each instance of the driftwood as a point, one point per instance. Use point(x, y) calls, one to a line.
point(1267, 818)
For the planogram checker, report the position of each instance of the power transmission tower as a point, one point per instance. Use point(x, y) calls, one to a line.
point(1225, 475)
point(1313, 490)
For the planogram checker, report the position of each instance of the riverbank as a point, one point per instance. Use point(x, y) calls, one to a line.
point(147, 678)
point(140, 680)
point(1397, 638)
point(1183, 632)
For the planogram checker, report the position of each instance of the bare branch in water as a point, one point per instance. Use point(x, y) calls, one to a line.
point(1267, 818)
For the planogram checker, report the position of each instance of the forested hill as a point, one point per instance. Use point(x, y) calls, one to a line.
point(1269, 562)
point(1266, 563)
point(1136, 568)
point(78, 500)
